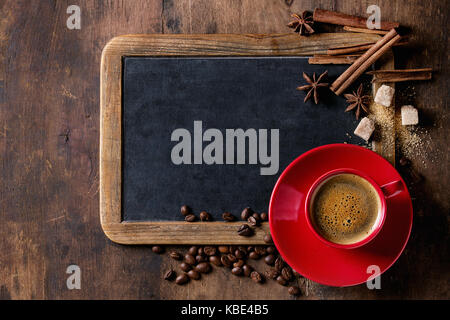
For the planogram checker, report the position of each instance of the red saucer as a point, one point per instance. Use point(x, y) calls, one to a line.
point(308, 255)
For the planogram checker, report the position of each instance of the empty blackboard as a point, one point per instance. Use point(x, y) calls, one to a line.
point(213, 132)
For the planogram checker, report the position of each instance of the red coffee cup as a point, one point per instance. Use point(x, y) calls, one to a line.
point(384, 192)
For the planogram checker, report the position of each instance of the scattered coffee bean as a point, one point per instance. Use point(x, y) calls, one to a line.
point(201, 251)
point(193, 250)
point(203, 267)
point(232, 258)
point(253, 221)
point(228, 217)
point(272, 274)
point(225, 260)
point(286, 273)
point(210, 251)
point(215, 260)
point(261, 250)
point(267, 238)
point(158, 249)
point(269, 259)
point(264, 216)
point(250, 248)
point(256, 276)
point(247, 270)
point(185, 267)
point(170, 275)
point(185, 210)
point(175, 255)
point(256, 216)
point(182, 279)
point(246, 213)
point(232, 249)
point(240, 263)
point(190, 218)
point(194, 275)
point(239, 254)
point(254, 255)
point(200, 258)
point(243, 249)
point(245, 231)
point(279, 264)
point(281, 280)
point(205, 216)
point(271, 250)
point(237, 271)
point(294, 290)
point(189, 259)
point(223, 249)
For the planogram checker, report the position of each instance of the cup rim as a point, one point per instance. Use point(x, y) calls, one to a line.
point(382, 210)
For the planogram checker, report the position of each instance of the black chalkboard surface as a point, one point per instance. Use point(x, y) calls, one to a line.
point(164, 98)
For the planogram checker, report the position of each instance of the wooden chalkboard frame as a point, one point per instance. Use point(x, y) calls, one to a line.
point(214, 45)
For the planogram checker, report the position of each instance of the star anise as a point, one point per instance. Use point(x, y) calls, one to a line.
point(302, 23)
point(313, 86)
point(358, 101)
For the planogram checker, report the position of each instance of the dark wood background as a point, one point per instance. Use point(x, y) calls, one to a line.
point(49, 142)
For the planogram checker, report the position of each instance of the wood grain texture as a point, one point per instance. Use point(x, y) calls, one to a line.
point(111, 123)
point(49, 129)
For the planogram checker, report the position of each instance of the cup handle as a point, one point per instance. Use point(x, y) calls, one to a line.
point(392, 189)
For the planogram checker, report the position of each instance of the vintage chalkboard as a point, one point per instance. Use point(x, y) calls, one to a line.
point(181, 120)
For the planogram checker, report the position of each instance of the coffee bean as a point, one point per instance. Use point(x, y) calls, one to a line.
point(281, 280)
point(190, 218)
point(272, 273)
point(201, 251)
point(175, 255)
point(232, 258)
point(243, 249)
point(215, 260)
point(246, 213)
point(267, 238)
point(239, 263)
point(245, 231)
point(194, 275)
point(237, 271)
point(256, 216)
point(239, 254)
point(256, 276)
point(264, 216)
point(185, 267)
point(170, 275)
point(185, 210)
point(253, 255)
point(271, 250)
point(279, 264)
point(247, 270)
point(193, 250)
point(200, 258)
point(205, 216)
point(223, 249)
point(209, 250)
point(269, 259)
point(252, 221)
point(232, 249)
point(250, 248)
point(189, 259)
point(182, 279)
point(226, 261)
point(261, 250)
point(228, 217)
point(286, 273)
point(158, 249)
point(294, 290)
point(203, 267)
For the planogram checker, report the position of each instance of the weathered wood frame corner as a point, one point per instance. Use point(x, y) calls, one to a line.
point(127, 232)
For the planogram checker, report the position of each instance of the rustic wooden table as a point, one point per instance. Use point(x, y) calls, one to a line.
point(49, 142)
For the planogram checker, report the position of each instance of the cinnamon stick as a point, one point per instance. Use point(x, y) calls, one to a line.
point(360, 47)
point(327, 59)
point(342, 19)
point(365, 61)
point(401, 75)
point(365, 30)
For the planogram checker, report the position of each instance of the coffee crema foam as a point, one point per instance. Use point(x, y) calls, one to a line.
point(345, 209)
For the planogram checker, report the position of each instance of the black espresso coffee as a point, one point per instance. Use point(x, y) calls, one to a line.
point(345, 208)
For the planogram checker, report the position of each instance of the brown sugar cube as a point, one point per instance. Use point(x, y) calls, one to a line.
point(365, 128)
point(384, 95)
